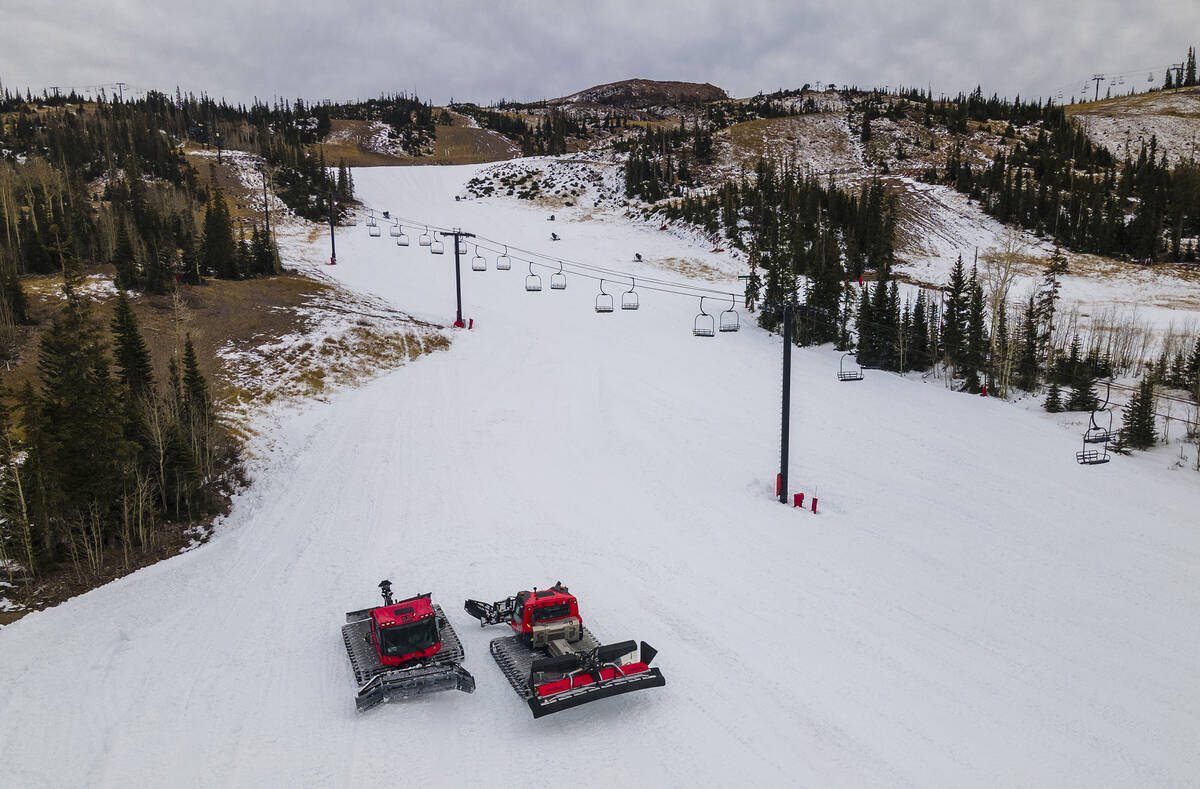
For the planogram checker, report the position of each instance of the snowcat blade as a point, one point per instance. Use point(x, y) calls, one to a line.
point(407, 683)
point(548, 705)
point(478, 609)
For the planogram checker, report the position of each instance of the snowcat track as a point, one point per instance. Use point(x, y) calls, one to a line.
point(379, 683)
point(516, 661)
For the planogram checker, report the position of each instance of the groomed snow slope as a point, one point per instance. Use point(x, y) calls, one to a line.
point(969, 608)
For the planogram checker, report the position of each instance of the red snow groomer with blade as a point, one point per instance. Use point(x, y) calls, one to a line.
point(403, 649)
point(552, 661)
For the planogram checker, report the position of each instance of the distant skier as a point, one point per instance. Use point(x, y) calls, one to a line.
point(554, 236)
point(551, 219)
point(637, 257)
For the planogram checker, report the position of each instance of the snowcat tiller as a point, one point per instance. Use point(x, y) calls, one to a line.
point(552, 661)
point(403, 649)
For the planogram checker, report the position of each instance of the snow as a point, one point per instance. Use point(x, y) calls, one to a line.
point(970, 607)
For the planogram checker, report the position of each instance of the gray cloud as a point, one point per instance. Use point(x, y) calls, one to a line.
point(482, 51)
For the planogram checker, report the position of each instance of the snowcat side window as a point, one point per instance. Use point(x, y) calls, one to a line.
point(548, 612)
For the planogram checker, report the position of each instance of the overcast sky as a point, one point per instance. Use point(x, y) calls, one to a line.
point(490, 49)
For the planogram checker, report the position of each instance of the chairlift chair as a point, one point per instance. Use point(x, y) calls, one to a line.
point(479, 262)
point(1092, 457)
point(629, 299)
point(371, 220)
point(604, 301)
point(462, 246)
point(395, 232)
point(425, 239)
point(848, 375)
point(402, 239)
point(534, 281)
point(730, 321)
point(503, 262)
point(558, 280)
point(438, 247)
point(704, 325)
point(375, 231)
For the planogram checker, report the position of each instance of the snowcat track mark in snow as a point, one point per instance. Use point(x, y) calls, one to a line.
point(552, 661)
point(435, 669)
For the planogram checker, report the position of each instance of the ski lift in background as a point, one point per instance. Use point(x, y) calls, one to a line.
point(437, 247)
point(604, 301)
point(395, 232)
point(1150, 77)
point(558, 280)
point(479, 262)
point(371, 219)
point(849, 375)
point(425, 239)
point(730, 321)
point(503, 262)
point(374, 230)
point(402, 238)
point(533, 282)
point(704, 325)
point(629, 299)
point(462, 247)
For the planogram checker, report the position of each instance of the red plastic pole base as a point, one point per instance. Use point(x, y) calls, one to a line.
point(814, 505)
point(778, 484)
point(798, 500)
point(333, 261)
point(459, 324)
point(471, 323)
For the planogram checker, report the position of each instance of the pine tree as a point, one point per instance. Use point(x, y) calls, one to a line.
point(1082, 396)
point(123, 259)
point(85, 448)
point(1028, 368)
point(754, 281)
point(954, 315)
point(1047, 302)
point(131, 356)
point(219, 250)
point(1054, 402)
point(1138, 429)
point(976, 351)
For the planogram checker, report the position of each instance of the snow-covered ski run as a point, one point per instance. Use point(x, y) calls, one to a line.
point(970, 607)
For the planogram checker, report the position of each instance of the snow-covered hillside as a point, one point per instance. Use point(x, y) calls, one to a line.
point(970, 607)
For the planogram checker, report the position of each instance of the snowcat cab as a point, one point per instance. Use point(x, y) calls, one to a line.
point(402, 649)
point(552, 661)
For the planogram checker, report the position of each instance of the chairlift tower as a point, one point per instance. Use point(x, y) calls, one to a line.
point(458, 234)
point(1097, 78)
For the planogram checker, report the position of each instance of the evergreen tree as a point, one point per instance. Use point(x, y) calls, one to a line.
point(1054, 402)
point(123, 259)
point(220, 250)
point(1138, 429)
point(976, 351)
point(954, 315)
point(754, 281)
point(1028, 368)
point(85, 449)
point(1047, 302)
point(131, 356)
point(1080, 376)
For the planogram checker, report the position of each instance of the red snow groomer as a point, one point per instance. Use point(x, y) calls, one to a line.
point(403, 649)
point(552, 661)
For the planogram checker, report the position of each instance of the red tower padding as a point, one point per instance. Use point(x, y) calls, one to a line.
point(814, 505)
point(798, 500)
point(778, 484)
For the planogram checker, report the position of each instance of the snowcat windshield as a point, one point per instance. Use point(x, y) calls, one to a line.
point(400, 641)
